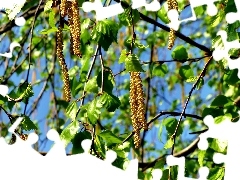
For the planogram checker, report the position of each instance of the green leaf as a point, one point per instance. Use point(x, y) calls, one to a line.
point(3, 99)
point(104, 33)
point(132, 64)
point(192, 79)
point(160, 70)
point(180, 53)
point(186, 72)
point(108, 79)
point(28, 92)
point(201, 156)
point(52, 19)
point(200, 83)
point(27, 124)
point(171, 124)
point(225, 117)
point(77, 140)
point(91, 85)
point(110, 102)
point(48, 6)
point(127, 19)
point(123, 56)
point(231, 78)
point(140, 46)
point(109, 137)
point(215, 20)
point(168, 144)
point(218, 145)
point(73, 71)
point(48, 31)
point(160, 164)
point(216, 173)
point(220, 101)
point(212, 111)
point(69, 132)
point(71, 110)
point(93, 111)
point(162, 13)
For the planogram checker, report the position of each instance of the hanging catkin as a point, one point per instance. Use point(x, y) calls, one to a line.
point(172, 4)
point(74, 26)
point(63, 65)
point(63, 8)
point(137, 106)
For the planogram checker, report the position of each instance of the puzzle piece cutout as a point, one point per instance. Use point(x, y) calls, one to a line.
point(220, 53)
point(231, 17)
point(153, 6)
point(229, 131)
point(180, 162)
point(3, 90)
point(102, 12)
point(173, 14)
point(12, 46)
point(56, 165)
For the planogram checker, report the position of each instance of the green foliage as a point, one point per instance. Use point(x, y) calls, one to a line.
point(160, 70)
point(69, 132)
point(110, 102)
point(109, 137)
point(77, 140)
point(132, 63)
point(104, 33)
point(27, 124)
point(129, 17)
point(186, 72)
point(71, 110)
point(180, 53)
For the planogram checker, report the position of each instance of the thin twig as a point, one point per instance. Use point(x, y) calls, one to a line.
point(88, 76)
point(30, 48)
point(202, 74)
point(102, 70)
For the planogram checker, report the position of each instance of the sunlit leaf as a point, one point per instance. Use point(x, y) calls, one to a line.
point(69, 132)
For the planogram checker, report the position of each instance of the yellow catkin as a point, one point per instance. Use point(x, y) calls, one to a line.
point(66, 83)
point(140, 100)
point(137, 106)
point(74, 26)
point(172, 4)
point(63, 8)
point(137, 139)
point(133, 103)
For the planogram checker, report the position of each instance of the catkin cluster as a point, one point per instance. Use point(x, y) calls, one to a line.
point(137, 106)
point(74, 26)
point(172, 4)
point(66, 86)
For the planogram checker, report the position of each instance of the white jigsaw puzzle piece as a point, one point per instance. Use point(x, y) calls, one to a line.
point(231, 17)
point(102, 12)
point(180, 162)
point(153, 6)
point(173, 14)
point(220, 53)
point(229, 131)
